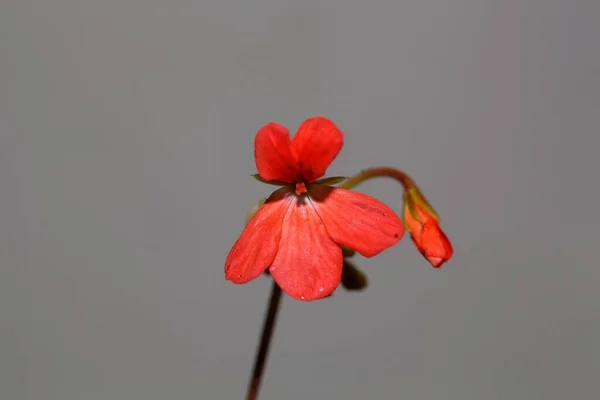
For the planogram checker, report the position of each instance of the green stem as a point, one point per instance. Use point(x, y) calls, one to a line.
point(379, 172)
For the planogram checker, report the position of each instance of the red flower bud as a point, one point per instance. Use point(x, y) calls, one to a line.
point(424, 227)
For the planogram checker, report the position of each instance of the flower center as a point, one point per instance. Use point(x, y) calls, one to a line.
point(300, 188)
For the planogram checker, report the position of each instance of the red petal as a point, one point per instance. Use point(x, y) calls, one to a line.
point(308, 265)
point(273, 154)
point(356, 220)
point(256, 247)
point(316, 144)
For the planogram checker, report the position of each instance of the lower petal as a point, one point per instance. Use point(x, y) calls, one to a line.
point(308, 265)
point(256, 247)
point(356, 220)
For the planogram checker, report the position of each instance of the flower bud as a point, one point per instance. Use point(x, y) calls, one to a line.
point(421, 220)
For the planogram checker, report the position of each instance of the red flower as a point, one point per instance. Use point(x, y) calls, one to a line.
point(423, 224)
point(298, 231)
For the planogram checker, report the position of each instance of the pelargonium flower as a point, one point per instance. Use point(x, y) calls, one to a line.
point(424, 226)
point(298, 231)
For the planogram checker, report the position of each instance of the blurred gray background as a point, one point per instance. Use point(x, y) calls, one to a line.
point(126, 151)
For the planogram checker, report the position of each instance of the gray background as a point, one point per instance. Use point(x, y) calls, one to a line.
point(126, 150)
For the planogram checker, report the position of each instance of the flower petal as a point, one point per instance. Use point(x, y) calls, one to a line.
point(273, 154)
point(356, 220)
point(316, 144)
point(257, 246)
point(308, 265)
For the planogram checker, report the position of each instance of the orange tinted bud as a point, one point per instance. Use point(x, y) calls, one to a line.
point(423, 224)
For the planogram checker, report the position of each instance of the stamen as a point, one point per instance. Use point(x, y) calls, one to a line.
point(300, 188)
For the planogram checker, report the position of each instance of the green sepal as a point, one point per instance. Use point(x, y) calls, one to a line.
point(334, 180)
point(275, 183)
point(412, 197)
point(411, 208)
point(347, 252)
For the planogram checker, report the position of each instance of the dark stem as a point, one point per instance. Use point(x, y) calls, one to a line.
point(265, 341)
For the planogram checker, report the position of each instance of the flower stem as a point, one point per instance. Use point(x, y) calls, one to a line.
point(265, 341)
point(378, 172)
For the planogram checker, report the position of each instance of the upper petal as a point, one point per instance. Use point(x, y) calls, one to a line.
point(257, 246)
point(273, 154)
point(308, 265)
point(356, 220)
point(317, 142)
